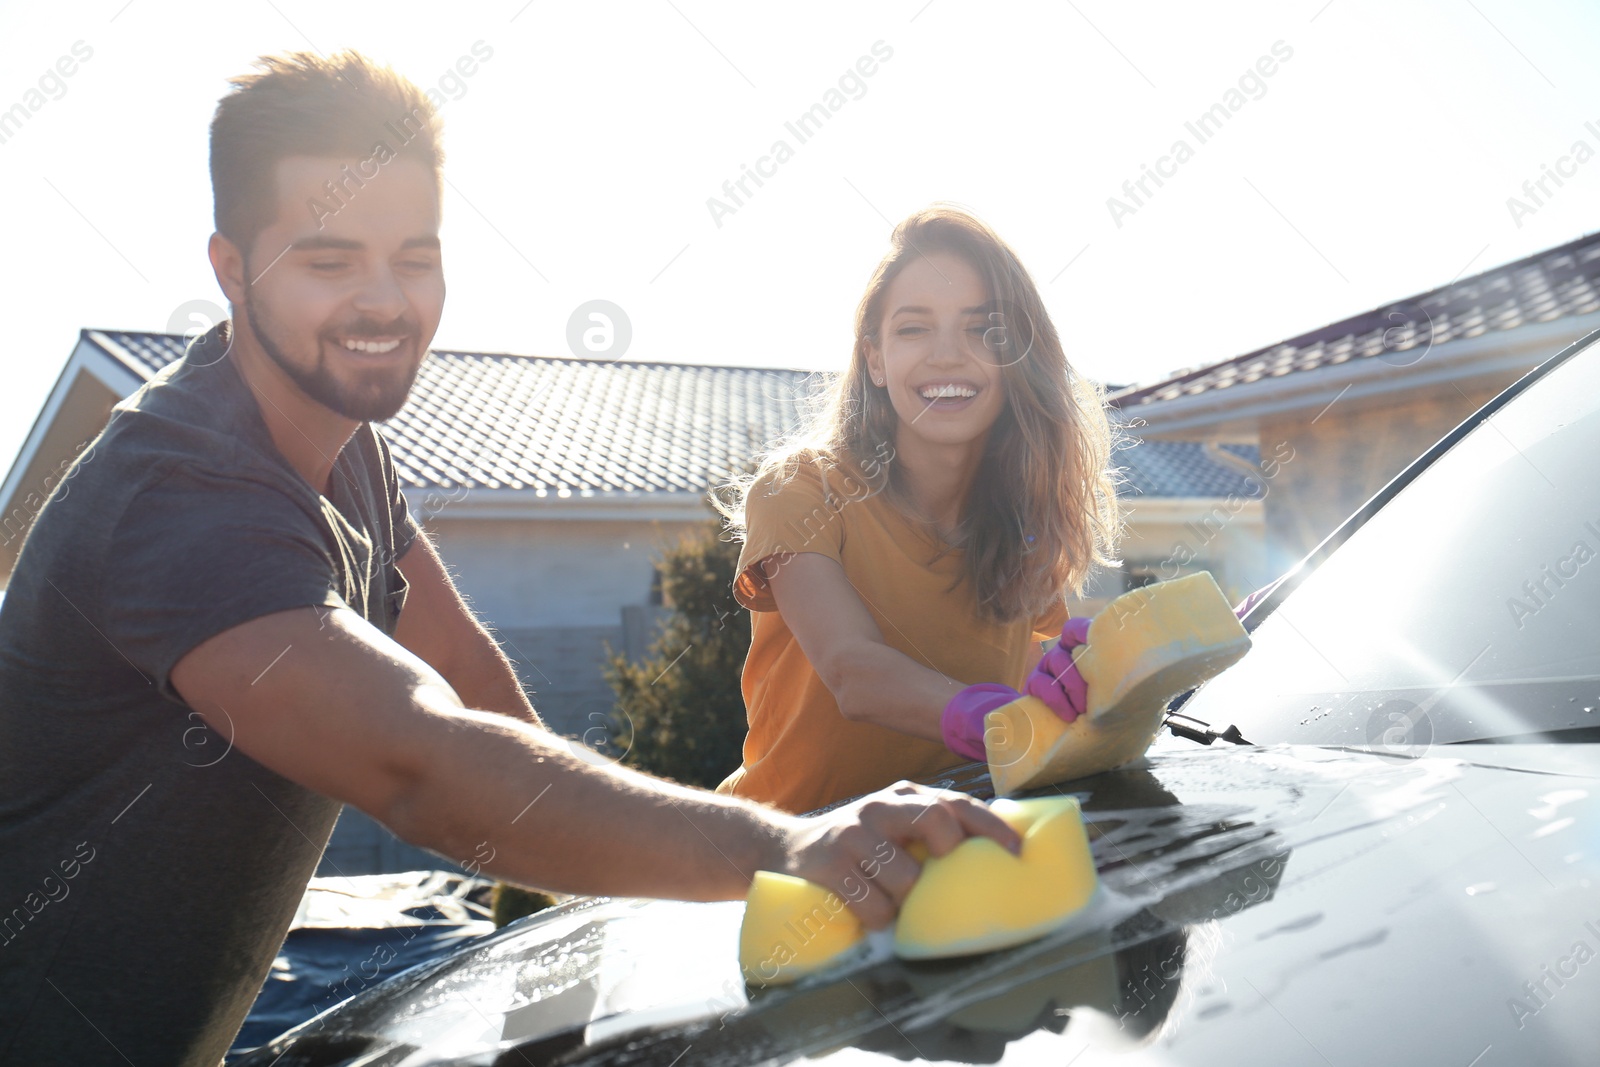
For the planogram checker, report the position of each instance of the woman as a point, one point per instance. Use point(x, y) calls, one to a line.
point(903, 558)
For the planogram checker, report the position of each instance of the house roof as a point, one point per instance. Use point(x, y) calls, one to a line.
point(577, 428)
point(1183, 469)
point(566, 426)
point(1558, 283)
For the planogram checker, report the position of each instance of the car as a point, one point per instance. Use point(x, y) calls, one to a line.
point(1392, 857)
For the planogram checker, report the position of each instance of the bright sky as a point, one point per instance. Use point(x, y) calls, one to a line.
point(1374, 162)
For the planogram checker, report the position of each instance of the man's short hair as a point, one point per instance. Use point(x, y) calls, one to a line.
point(302, 104)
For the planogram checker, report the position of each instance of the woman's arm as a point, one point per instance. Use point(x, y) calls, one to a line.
point(871, 681)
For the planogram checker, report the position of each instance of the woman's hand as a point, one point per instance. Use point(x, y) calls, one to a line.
point(1056, 680)
point(963, 720)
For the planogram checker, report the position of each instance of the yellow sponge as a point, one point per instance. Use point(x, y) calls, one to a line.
point(1143, 649)
point(976, 898)
point(791, 928)
point(979, 897)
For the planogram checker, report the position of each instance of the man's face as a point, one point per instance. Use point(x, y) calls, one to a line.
point(345, 297)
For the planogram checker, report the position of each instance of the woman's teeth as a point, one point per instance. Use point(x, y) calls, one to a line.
point(945, 392)
point(372, 346)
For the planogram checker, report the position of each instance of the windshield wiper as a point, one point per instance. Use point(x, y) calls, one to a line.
point(1559, 735)
point(1202, 732)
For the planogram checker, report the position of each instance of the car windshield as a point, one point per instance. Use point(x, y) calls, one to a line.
point(1466, 609)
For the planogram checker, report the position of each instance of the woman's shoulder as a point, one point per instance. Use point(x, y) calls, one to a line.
point(815, 472)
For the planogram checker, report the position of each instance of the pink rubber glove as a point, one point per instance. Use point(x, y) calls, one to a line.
point(962, 721)
point(1255, 598)
point(1056, 680)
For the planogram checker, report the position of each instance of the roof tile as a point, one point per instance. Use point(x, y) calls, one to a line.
point(1550, 285)
point(568, 426)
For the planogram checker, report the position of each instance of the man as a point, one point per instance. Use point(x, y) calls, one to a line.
point(224, 624)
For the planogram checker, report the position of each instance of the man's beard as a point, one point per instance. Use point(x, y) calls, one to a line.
point(377, 394)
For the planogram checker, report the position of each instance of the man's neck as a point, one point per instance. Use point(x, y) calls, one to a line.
point(309, 435)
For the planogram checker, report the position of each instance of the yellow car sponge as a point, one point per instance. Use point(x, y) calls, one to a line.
point(1143, 649)
point(791, 928)
point(978, 897)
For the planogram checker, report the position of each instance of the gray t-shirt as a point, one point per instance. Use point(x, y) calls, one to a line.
point(149, 871)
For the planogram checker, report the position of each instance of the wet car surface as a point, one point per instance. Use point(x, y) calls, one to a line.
point(1405, 868)
point(1265, 905)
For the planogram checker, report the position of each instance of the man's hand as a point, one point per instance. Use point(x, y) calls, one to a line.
point(862, 851)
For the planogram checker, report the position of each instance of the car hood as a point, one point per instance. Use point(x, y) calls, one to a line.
point(1262, 905)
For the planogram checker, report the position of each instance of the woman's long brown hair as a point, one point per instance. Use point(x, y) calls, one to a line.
point(1042, 510)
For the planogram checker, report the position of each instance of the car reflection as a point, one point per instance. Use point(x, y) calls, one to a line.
point(1180, 846)
point(1119, 984)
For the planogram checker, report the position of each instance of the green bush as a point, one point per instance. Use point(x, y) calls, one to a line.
point(512, 902)
point(680, 713)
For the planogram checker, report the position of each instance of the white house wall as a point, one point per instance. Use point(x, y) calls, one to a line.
point(554, 593)
point(521, 573)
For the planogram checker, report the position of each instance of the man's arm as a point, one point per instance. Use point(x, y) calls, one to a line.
point(338, 707)
point(438, 626)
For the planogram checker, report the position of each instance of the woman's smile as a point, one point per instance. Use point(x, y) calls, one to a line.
point(948, 394)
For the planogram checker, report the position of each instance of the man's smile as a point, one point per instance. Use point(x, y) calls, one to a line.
point(377, 348)
point(373, 345)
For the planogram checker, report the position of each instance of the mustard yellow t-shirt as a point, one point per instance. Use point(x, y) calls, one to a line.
point(801, 753)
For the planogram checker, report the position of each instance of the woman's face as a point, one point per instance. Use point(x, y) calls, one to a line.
point(943, 381)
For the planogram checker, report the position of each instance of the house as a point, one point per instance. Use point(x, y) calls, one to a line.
point(1337, 412)
point(551, 485)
